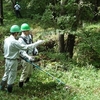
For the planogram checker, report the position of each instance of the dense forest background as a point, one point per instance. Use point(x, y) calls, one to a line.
point(71, 13)
point(76, 18)
point(71, 53)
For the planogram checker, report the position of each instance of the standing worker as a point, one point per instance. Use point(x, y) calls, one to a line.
point(11, 54)
point(26, 38)
point(17, 10)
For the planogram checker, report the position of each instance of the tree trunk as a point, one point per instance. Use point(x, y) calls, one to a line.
point(70, 45)
point(96, 4)
point(13, 2)
point(76, 22)
point(61, 43)
point(1, 12)
point(62, 4)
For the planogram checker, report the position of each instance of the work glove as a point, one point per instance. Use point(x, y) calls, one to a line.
point(39, 42)
point(35, 51)
point(35, 44)
point(31, 58)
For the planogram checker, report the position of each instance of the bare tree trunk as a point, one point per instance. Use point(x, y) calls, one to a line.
point(1, 12)
point(76, 22)
point(61, 43)
point(62, 3)
point(13, 3)
point(97, 4)
point(70, 45)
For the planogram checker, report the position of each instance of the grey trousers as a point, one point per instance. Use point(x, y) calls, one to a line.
point(10, 71)
point(26, 71)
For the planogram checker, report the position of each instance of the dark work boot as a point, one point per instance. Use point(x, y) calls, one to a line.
point(27, 79)
point(20, 84)
point(3, 84)
point(9, 88)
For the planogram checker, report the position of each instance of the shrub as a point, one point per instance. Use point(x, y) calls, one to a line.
point(88, 48)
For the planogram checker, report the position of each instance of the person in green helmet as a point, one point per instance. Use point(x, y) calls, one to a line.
point(26, 38)
point(17, 10)
point(11, 54)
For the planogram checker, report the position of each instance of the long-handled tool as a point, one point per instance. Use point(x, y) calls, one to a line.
point(38, 67)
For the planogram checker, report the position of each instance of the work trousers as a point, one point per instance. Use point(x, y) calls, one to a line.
point(10, 70)
point(26, 71)
point(18, 14)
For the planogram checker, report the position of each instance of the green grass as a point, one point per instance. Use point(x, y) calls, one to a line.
point(84, 83)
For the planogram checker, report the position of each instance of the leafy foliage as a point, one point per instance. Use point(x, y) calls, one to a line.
point(88, 47)
point(83, 78)
point(47, 18)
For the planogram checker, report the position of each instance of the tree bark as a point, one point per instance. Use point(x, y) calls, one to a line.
point(96, 4)
point(70, 45)
point(61, 43)
point(1, 12)
point(76, 22)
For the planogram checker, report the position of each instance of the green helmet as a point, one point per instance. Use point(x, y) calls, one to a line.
point(17, 2)
point(25, 27)
point(14, 28)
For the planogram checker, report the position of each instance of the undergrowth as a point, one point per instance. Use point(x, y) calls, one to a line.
point(82, 82)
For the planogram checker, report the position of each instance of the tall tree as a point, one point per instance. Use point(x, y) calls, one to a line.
point(71, 38)
point(13, 1)
point(76, 22)
point(96, 11)
point(1, 12)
